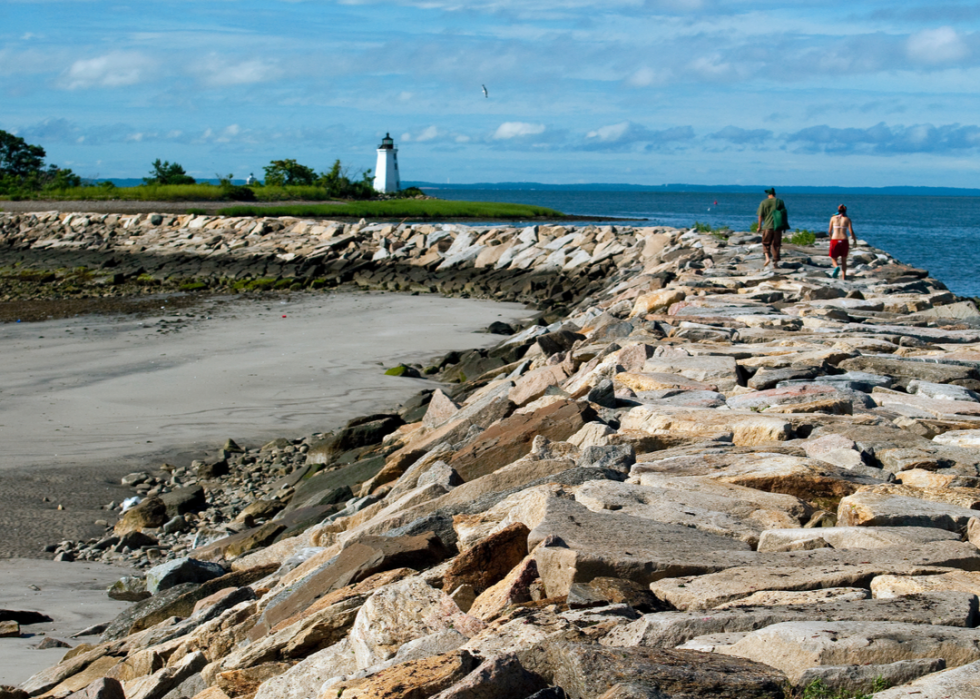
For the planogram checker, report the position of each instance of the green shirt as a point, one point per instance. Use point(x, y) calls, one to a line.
point(765, 211)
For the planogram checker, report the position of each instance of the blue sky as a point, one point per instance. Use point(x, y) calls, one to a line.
point(859, 93)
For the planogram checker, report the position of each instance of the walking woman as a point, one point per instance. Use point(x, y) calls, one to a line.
point(840, 226)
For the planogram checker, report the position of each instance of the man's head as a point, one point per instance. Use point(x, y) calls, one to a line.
point(771, 191)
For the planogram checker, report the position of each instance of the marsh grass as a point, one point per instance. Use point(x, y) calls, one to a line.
point(185, 192)
point(400, 208)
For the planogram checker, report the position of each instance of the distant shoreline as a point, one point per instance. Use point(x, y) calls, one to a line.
point(213, 208)
point(699, 188)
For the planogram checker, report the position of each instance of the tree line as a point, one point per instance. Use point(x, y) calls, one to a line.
point(22, 169)
point(23, 173)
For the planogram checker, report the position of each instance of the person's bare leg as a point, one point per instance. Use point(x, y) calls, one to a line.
point(843, 267)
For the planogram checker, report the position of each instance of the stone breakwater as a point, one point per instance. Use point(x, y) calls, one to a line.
point(699, 479)
point(549, 265)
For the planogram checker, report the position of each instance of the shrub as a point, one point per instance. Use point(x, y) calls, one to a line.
point(803, 237)
point(167, 173)
point(240, 193)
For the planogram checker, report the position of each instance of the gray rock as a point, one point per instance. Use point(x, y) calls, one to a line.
point(863, 678)
point(182, 501)
point(671, 629)
point(181, 570)
point(618, 457)
point(960, 682)
point(588, 671)
point(104, 688)
point(603, 394)
point(601, 544)
point(501, 676)
point(440, 473)
point(129, 589)
point(812, 570)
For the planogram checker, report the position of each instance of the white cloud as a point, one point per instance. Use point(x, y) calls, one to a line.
point(613, 132)
point(428, 134)
point(517, 129)
point(644, 77)
point(219, 71)
point(934, 46)
point(117, 69)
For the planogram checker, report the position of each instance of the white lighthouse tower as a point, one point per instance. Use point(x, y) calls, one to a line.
point(386, 177)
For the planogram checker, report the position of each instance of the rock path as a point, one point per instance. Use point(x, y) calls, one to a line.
point(692, 478)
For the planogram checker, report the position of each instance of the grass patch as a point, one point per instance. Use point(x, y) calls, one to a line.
point(802, 236)
point(193, 286)
point(399, 208)
point(819, 690)
point(184, 192)
point(721, 233)
point(197, 212)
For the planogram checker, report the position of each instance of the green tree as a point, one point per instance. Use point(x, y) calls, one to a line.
point(281, 173)
point(19, 159)
point(338, 183)
point(57, 178)
point(167, 173)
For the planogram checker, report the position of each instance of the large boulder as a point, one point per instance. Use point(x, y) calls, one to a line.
point(181, 570)
point(510, 439)
point(589, 671)
point(794, 647)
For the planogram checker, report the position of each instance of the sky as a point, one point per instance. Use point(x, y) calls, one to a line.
point(856, 93)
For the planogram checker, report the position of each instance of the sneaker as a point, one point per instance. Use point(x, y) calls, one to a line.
point(835, 273)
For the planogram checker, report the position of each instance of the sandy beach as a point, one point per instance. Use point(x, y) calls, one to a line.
point(73, 595)
point(89, 399)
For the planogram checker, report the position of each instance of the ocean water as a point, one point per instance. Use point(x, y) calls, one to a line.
point(940, 234)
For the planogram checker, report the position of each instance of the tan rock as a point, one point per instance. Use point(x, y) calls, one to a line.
point(98, 669)
point(488, 561)
point(699, 502)
point(779, 598)
point(656, 301)
point(139, 664)
point(211, 693)
point(660, 382)
point(416, 679)
point(533, 385)
point(441, 408)
point(886, 586)
point(811, 570)
point(771, 472)
point(515, 588)
point(702, 425)
point(869, 508)
point(245, 682)
point(853, 537)
point(402, 612)
point(794, 647)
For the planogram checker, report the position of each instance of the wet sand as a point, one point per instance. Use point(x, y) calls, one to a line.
point(86, 400)
point(72, 594)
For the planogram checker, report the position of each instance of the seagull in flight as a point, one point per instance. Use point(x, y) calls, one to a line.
point(485, 94)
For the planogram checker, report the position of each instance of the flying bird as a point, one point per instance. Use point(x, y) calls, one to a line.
point(485, 94)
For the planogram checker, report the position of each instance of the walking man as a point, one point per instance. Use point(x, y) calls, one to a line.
point(773, 220)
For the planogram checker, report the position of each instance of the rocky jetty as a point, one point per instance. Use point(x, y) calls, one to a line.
point(694, 477)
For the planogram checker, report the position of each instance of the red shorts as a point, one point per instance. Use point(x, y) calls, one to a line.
point(839, 248)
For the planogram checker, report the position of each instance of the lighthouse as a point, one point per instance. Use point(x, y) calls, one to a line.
point(386, 177)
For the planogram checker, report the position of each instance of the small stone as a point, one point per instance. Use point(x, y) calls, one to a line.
point(48, 642)
point(9, 629)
